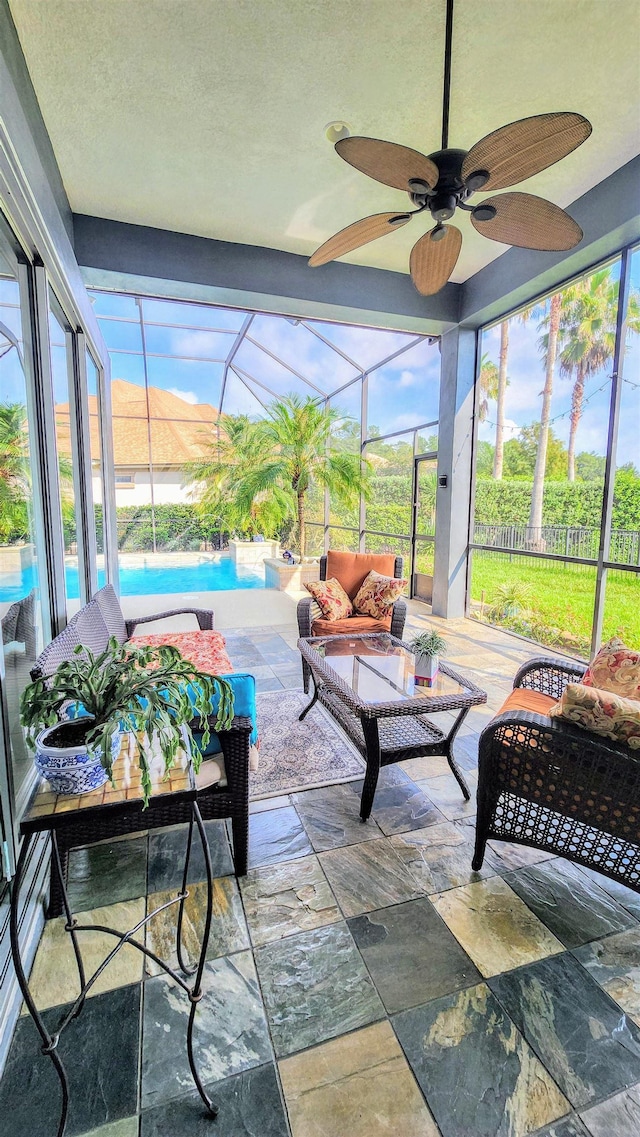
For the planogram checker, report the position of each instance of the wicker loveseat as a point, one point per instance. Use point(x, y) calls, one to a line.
point(218, 798)
point(350, 569)
point(546, 783)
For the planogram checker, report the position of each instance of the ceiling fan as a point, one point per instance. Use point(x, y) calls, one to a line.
point(445, 180)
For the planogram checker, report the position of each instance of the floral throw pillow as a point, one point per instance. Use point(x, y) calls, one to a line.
point(615, 668)
point(602, 712)
point(377, 595)
point(331, 597)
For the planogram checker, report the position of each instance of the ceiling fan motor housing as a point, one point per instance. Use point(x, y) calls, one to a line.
point(450, 190)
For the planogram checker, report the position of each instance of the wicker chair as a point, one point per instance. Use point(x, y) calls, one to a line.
point(350, 569)
point(546, 783)
point(91, 627)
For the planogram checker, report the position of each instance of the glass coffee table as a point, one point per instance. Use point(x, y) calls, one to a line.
point(367, 683)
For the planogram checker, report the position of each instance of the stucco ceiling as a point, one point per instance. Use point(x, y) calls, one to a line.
point(208, 116)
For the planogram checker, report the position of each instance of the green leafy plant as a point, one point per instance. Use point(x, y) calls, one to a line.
point(428, 643)
point(151, 691)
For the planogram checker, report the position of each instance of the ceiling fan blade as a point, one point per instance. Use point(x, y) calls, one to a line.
point(433, 258)
point(523, 148)
point(528, 221)
point(393, 165)
point(360, 233)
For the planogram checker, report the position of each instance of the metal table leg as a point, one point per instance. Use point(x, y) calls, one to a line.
point(372, 742)
point(453, 766)
point(49, 1041)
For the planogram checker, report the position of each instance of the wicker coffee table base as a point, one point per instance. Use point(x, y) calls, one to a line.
point(385, 739)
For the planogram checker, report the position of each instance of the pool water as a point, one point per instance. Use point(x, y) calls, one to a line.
point(140, 576)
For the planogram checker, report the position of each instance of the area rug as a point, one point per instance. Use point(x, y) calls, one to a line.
point(299, 755)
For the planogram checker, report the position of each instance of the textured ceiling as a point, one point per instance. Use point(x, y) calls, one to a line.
point(208, 116)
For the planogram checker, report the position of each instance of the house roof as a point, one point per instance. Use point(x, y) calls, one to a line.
point(180, 431)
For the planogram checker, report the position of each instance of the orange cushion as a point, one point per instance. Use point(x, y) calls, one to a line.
point(352, 626)
point(521, 699)
point(205, 649)
point(351, 568)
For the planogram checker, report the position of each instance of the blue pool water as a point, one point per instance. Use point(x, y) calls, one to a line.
point(144, 578)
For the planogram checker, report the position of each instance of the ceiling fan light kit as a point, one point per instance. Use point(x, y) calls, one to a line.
point(444, 181)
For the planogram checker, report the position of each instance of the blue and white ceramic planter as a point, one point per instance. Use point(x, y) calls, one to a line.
point(72, 769)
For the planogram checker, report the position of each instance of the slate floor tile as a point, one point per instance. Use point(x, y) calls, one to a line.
point(167, 848)
point(281, 900)
point(368, 876)
point(54, 975)
point(445, 793)
point(127, 1127)
point(107, 873)
point(230, 1034)
point(359, 1084)
point(439, 857)
point(315, 986)
point(569, 1126)
point(249, 1105)
point(590, 1049)
point(478, 1074)
point(400, 806)
point(277, 835)
point(617, 1117)
point(505, 856)
point(393, 943)
point(624, 896)
point(102, 1078)
point(574, 909)
point(494, 926)
point(228, 929)
point(331, 817)
point(614, 963)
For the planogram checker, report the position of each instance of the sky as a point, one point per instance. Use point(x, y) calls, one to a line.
point(523, 399)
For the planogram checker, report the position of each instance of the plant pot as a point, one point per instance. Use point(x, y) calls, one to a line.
point(75, 768)
point(426, 670)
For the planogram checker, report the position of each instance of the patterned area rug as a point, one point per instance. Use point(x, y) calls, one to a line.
point(300, 755)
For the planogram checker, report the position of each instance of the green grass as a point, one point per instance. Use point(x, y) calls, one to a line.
point(561, 598)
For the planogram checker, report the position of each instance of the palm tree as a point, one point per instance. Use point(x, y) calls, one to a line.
point(549, 327)
point(493, 385)
point(265, 469)
point(588, 336)
point(14, 469)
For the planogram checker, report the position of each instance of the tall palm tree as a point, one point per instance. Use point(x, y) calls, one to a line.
point(493, 386)
point(271, 465)
point(550, 314)
point(14, 468)
point(588, 336)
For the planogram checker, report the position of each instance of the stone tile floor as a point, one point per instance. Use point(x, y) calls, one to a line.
point(361, 980)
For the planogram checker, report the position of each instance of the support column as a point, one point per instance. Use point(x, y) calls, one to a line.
point(455, 437)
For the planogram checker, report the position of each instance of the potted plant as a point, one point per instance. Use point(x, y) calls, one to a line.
point(428, 646)
point(75, 717)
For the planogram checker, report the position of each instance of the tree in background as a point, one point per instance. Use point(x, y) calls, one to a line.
point(520, 454)
point(493, 386)
point(14, 472)
point(588, 337)
point(549, 328)
point(260, 473)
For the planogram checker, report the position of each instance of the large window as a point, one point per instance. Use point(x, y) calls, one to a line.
point(546, 407)
point(181, 372)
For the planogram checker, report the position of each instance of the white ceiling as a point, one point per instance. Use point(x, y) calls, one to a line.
point(208, 116)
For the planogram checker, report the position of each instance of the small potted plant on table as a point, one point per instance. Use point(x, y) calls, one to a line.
point(428, 646)
point(90, 700)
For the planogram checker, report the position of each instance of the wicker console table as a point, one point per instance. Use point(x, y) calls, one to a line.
point(367, 683)
point(95, 816)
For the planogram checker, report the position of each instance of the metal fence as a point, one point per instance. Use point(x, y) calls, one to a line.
point(562, 541)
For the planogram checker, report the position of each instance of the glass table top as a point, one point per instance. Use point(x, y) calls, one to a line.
point(381, 671)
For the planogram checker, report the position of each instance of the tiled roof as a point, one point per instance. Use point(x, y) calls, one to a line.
point(180, 431)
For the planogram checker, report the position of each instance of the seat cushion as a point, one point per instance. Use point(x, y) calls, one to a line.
point(521, 699)
point(353, 626)
point(351, 568)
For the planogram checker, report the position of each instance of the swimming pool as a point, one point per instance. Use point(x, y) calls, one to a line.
point(142, 575)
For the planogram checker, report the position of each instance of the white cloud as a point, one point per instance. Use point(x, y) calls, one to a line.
point(186, 396)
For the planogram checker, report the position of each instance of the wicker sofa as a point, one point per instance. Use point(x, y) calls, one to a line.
point(350, 569)
point(549, 784)
point(91, 627)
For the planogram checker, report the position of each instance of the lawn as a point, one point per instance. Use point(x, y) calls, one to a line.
point(560, 599)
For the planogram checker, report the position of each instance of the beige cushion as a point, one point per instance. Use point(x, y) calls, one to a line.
point(601, 712)
point(615, 668)
point(377, 595)
point(212, 771)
